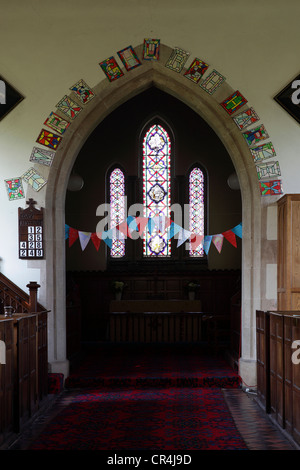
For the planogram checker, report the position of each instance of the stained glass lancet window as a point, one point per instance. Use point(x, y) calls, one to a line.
point(117, 209)
point(196, 207)
point(156, 188)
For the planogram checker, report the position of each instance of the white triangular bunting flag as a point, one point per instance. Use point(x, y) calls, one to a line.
point(117, 234)
point(159, 221)
point(151, 225)
point(84, 238)
point(183, 236)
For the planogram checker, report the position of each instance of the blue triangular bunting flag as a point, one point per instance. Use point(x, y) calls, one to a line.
point(238, 229)
point(131, 222)
point(151, 225)
point(107, 237)
point(173, 229)
point(207, 242)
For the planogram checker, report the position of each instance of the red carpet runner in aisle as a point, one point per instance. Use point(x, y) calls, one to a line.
point(144, 419)
point(145, 397)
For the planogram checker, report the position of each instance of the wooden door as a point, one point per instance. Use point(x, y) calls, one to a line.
point(288, 262)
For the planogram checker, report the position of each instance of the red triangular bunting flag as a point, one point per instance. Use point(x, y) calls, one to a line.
point(168, 222)
point(73, 235)
point(123, 227)
point(230, 236)
point(141, 223)
point(195, 240)
point(96, 239)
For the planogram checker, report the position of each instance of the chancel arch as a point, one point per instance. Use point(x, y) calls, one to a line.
point(109, 97)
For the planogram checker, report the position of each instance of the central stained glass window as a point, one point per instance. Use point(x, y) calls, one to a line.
point(196, 207)
point(117, 209)
point(156, 188)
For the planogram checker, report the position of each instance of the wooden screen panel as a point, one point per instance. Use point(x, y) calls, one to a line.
point(6, 381)
point(22, 407)
point(26, 370)
point(263, 358)
point(295, 386)
point(33, 365)
point(288, 376)
point(42, 355)
point(276, 368)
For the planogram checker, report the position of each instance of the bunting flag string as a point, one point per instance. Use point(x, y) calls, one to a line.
point(161, 223)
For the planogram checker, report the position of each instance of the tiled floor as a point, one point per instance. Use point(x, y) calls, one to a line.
point(256, 428)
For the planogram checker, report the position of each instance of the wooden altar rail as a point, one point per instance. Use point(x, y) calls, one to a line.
point(278, 374)
point(154, 327)
point(24, 375)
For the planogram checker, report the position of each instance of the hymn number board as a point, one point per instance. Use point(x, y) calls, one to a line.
point(31, 236)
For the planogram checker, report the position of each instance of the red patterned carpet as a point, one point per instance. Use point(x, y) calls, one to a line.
point(144, 419)
point(145, 397)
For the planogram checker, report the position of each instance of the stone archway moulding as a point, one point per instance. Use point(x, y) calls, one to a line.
point(109, 96)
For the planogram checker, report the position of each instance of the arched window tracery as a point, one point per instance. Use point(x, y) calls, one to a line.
point(117, 210)
point(156, 188)
point(197, 207)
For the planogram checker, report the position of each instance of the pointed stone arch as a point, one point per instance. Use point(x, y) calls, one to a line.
point(109, 96)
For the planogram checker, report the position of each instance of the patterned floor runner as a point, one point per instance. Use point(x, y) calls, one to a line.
point(143, 419)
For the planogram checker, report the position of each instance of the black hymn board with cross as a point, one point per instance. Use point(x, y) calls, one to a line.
point(31, 236)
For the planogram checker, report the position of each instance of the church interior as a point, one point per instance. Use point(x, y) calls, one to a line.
point(149, 256)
